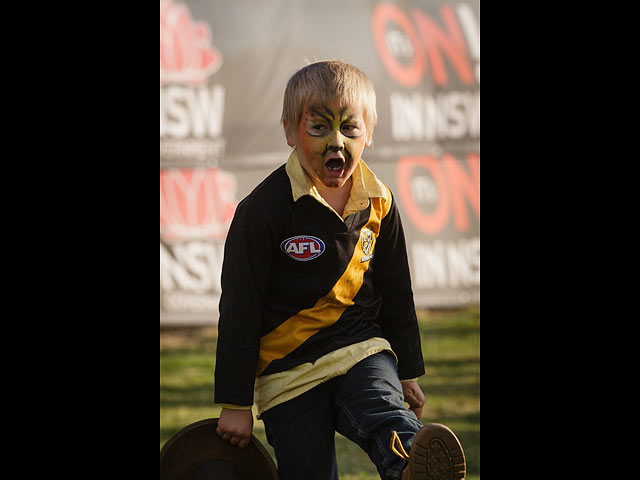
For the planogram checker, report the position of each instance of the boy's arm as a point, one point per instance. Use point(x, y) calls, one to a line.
point(246, 273)
point(392, 279)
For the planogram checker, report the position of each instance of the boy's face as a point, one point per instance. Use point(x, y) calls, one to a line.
point(330, 140)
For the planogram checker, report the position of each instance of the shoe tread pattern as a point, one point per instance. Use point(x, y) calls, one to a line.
point(440, 457)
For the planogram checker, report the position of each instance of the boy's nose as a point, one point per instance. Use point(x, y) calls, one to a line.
point(336, 140)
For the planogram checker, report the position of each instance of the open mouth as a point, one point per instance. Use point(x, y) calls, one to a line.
point(335, 165)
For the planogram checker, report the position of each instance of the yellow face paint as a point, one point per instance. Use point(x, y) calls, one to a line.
point(331, 139)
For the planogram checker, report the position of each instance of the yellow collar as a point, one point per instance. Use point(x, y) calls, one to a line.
point(365, 186)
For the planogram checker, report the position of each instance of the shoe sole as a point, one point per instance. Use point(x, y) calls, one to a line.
point(436, 454)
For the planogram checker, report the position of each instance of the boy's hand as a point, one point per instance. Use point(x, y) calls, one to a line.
point(235, 426)
point(413, 396)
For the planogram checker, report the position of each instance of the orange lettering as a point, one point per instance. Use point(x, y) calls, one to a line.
point(450, 42)
point(412, 74)
point(429, 223)
point(464, 185)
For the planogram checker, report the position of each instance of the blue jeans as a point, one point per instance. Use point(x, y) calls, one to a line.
point(364, 405)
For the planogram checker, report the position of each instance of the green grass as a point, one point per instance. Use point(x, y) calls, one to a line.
point(451, 350)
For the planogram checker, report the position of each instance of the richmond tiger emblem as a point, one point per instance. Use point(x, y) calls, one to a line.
point(367, 239)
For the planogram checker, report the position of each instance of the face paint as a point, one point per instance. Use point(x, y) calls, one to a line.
point(331, 139)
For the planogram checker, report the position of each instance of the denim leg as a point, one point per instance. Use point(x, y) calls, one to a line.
point(369, 400)
point(302, 433)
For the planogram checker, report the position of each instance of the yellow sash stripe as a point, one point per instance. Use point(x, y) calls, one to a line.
point(294, 331)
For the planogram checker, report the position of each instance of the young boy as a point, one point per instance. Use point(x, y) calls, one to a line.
point(316, 313)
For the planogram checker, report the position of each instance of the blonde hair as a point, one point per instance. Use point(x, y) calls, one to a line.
point(321, 82)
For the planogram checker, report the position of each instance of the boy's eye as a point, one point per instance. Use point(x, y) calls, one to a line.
point(351, 130)
point(318, 129)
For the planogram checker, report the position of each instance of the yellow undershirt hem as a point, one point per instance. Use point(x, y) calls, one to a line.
point(277, 388)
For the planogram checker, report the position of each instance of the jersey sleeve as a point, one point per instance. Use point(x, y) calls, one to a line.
point(246, 272)
point(393, 280)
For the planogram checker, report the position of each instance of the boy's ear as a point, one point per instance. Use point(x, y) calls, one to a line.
point(290, 140)
point(369, 141)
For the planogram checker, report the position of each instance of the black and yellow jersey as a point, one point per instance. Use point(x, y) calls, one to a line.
point(299, 282)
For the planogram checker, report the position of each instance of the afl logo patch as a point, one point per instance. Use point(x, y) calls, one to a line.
point(303, 247)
